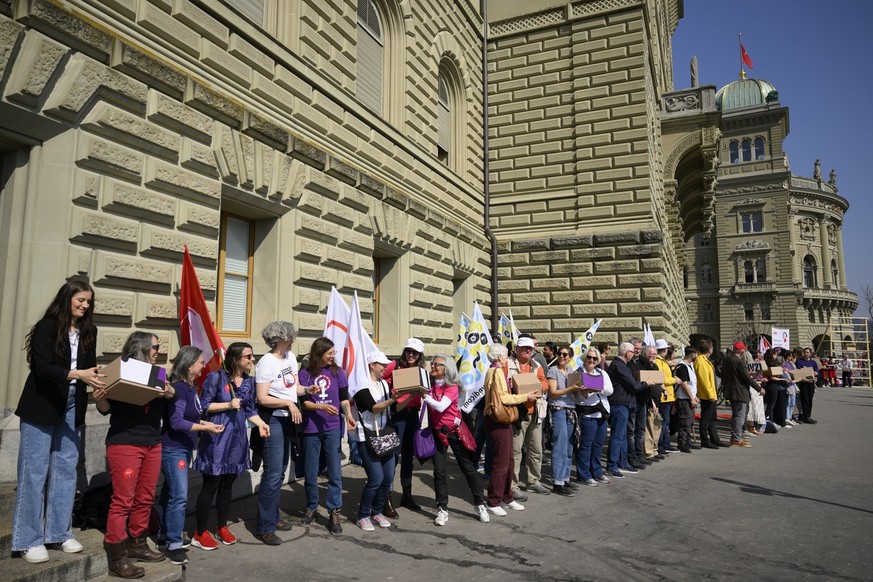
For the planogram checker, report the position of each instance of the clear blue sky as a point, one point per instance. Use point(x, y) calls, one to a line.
point(818, 56)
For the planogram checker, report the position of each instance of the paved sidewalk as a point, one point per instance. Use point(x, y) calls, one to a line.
point(797, 505)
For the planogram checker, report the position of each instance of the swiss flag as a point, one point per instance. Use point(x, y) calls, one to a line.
point(747, 60)
point(195, 324)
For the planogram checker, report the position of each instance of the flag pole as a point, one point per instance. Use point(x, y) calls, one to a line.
point(740, 41)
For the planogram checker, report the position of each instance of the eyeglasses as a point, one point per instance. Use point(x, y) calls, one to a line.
point(564, 355)
point(249, 356)
point(156, 347)
point(591, 358)
point(437, 365)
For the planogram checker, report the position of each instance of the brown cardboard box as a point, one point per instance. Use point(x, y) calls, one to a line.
point(526, 383)
point(774, 372)
point(405, 380)
point(802, 375)
point(133, 381)
point(652, 376)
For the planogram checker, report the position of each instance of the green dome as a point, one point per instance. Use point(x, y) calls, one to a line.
point(745, 93)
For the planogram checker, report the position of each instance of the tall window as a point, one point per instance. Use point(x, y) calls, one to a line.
point(748, 312)
point(760, 270)
point(707, 313)
point(809, 272)
point(759, 148)
point(765, 311)
point(735, 151)
point(703, 240)
point(444, 119)
point(749, 272)
point(753, 221)
point(370, 58)
point(706, 275)
point(747, 150)
point(235, 275)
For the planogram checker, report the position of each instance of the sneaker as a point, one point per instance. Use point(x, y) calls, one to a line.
point(483, 514)
point(380, 520)
point(515, 506)
point(498, 511)
point(333, 524)
point(179, 556)
point(616, 473)
point(308, 517)
point(365, 524)
point(204, 541)
point(563, 490)
point(270, 539)
point(224, 536)
point(161, 544)
point(538, 488)
point(36, 554)
point(284, 525)
point(603, 479)
point(518, 495)
point(590, 482)
point(630, 470)
point(572, 485)
point(71, 546)
point(442, 517)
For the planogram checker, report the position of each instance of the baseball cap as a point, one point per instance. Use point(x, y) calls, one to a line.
point(524, 342)
point(414, 344)
point(739, 346)
point(378, 357)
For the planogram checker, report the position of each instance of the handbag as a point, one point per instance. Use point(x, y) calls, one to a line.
point(425, 447)
point(466, 437)
point(380, 444)
point(499, 412)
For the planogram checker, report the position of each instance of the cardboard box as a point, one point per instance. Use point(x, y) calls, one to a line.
point(774, 372)
point(802, 375)
point(573, 378)
point(652, 376)
point(133, 381)
point(592, 382)
point(526, 383)
point(407, 380)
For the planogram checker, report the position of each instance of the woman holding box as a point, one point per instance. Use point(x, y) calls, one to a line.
point(62, 354)
point(562, 405)
point(593, 409)
point(133, 456)
point(181, 421)
point(228, 399)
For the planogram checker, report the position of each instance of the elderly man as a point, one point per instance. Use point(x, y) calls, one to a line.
point(530, 434)
point(622, 403)
point(668, 396)
point(636, 422)
point(651, 453)
point(737, 382)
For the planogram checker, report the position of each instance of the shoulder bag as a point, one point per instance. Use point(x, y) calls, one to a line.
point(499, 412)
point(382, 442)
point(425, 447)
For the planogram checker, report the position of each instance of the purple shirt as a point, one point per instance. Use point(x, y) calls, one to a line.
point(802, 363)
point(180, 416)
point(334, 389)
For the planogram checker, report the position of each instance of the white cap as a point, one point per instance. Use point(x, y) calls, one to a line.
point(525, 342)
point(378, 357)
point(415, 344)
point(661, 345)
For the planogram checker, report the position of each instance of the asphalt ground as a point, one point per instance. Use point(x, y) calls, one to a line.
point(797, 505)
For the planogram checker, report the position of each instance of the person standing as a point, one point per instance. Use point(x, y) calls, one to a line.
point(668, 396)
point(807, 389)
point(847, 366)
point(686, 398)
point(562, 405)
point(708, 397)
point(593, 408)
point(62, 355)
point(529, 432)
point(737, 382)
point(622, 403)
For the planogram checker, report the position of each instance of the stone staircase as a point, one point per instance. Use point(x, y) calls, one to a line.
point(88, 565)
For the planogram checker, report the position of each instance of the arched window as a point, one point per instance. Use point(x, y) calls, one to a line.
point(735, 151)
point(835, 273)
point(759, 148)
point(811, 315)
point(747, 150)
point(810, 278)
point(761, 271)
point(749, 272)
point(444, 119)
point(705, 275)
point(752, 221)
point(371, 45)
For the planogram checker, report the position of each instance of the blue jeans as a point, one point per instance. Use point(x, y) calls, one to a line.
point(404, 422)
point(47, 459)
point(277, 448)
point(588, 456)
point(789, 409)
point(313, 445)
point(380, 476)
point(562, 447)
point(664, 439)
point(174, 495)
point(618, 438)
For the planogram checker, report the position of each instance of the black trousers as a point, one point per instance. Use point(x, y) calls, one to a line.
point(708, 429)
point(468, 464)
point(780, 406)
point(847, 378)
point(220, 488)
point(771, 394)
point(685, 416)
point(807, 393)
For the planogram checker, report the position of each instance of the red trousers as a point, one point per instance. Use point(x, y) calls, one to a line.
point(500, 476)
point(134, 471)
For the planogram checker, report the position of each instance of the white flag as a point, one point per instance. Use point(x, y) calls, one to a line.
point(358, 346)
point(474, 362)
point(463, 328)
point(336, 324)
point(581, 345)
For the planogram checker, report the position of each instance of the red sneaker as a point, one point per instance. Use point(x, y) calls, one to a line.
point(204, 541)
point(224, 536)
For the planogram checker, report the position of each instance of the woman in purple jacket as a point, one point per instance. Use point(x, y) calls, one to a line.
point(228, 399)
point(326, 404)
point(181, 421)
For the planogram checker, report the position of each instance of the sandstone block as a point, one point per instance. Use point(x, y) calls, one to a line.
point(152, 309)
point(198, 157)
point(118, 125)
point(572, 297)
point(224, 63)
point(178, 117)
point(167, 243)
point(108, 158)
point(214, 105)
point(174, 180)
point(616, 267)
point(594, 282)
point(113, 270)
point(201, 22)
point(115, 304)
point(122, 198)
point(74, 31)
point(35, 66)
point(102, 230)
point(197, 218)
point(143, 67)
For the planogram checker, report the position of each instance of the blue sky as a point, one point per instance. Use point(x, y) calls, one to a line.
point(818, 56)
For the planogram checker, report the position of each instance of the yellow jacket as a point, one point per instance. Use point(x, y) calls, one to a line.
point(705, 372)
point(664, 366)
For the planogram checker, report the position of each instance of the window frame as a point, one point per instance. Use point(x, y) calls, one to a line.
point(222, 256)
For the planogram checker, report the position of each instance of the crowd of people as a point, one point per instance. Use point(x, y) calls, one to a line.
point(631, 404)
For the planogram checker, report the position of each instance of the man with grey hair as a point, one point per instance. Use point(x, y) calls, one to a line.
point(529, 435)
point(622, 402)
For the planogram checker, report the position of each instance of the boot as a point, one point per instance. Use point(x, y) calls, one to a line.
point(407, 501)
point(388, 509)
point(119, 565)
point(138, 550)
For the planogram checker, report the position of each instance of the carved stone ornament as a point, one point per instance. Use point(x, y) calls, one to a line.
point(750, 201)
point(753, 245)
point(685, 102)
point(832, 234)
point(807, 229)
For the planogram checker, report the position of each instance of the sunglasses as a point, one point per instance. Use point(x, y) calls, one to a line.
point(156, 347)
point(591, 358)
point(249, 356)
point(437, 365)
point(564, 355)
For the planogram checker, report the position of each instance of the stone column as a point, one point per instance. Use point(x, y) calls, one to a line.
point(797, 257)
point(825, 253)
point(842, 260)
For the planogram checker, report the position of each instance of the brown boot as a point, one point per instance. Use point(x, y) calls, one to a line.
point(388, 509)
point(119, 565)
point(138, 550)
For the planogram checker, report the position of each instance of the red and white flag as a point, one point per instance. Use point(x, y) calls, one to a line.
point(358, 346)
point(195, 324)
point(336, 325)
point(763, 345)
point(747, 60)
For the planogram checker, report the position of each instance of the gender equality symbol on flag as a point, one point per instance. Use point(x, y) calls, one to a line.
point(352, 343)
point(195, 323)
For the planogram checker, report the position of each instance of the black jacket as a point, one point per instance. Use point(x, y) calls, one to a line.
point(44, 399)
point(736, 380)
point(624, 386)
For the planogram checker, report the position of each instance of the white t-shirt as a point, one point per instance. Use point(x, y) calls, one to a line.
point(282, 376)
point(74, 352)
point(380, 393)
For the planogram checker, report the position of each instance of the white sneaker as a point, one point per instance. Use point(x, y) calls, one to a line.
point(515, 505)
point(483, 514)
point(36, 554)
point(442, 517)
point(72, 546)
point(498, 511)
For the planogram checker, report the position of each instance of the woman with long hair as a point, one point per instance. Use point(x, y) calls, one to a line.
point(373, 402)
point(228, 399)
point(323, 412)
point(182, 419)
point(133, 456)
point(445, 420)
point(593, 410)
point(62, 354)
point(562, 405)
